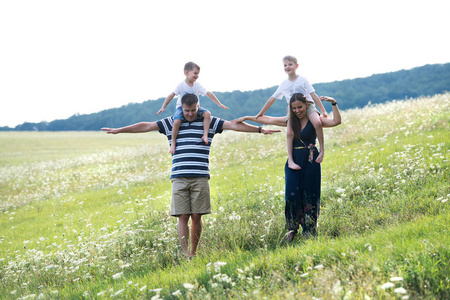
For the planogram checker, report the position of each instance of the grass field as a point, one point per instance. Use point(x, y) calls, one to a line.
point(84, 215)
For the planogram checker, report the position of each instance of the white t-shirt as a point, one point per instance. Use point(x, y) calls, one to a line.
point(183, 89)
point(287, 88)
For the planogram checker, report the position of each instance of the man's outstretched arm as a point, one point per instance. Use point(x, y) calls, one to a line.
point(135, 128)
point(244, 127)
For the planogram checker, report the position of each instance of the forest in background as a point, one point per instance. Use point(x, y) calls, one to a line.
point(351, 93)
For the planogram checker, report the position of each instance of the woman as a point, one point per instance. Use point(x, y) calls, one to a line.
point(302, 191)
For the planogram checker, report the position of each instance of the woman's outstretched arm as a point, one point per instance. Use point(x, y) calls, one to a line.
point(266, 120)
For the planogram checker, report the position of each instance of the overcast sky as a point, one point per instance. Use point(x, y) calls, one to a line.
point(58, 58)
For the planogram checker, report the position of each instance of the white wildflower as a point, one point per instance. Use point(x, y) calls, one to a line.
point(400, 290)
point(117, 276)
point(387, 285)
point(318, 267)
point(394, 279)
point(188, 286)
point(143, 288)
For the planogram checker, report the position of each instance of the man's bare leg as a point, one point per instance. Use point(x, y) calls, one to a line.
point(183, 233)
point(196, 232)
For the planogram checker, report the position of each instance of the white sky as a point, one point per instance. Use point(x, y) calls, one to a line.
point(58, 58)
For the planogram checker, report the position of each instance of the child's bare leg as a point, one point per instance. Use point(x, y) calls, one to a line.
point(175, 129)
point(290, 147)
point(314, 118)
point(206, 122)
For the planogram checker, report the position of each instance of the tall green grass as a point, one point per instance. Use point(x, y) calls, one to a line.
point(85, 215)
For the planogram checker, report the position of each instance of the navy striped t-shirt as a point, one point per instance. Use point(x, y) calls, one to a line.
point(191, 158)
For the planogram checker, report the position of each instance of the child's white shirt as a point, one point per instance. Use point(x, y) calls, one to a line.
point(183, 88)
point(287, 88)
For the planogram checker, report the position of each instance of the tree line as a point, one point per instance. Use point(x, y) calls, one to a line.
point(351, 93)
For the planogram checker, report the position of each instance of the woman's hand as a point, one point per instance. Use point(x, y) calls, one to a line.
point(328, 99)
point(240, 120)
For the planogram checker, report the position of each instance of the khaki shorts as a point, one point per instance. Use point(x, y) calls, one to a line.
point(311, 109)
point(190, 195)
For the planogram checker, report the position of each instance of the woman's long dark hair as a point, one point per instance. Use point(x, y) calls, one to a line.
point(294, 121)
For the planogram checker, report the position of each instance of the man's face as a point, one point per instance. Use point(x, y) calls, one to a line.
point(190, 112)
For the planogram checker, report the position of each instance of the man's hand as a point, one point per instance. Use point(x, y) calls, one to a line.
point(269, 131)
point(110, 130)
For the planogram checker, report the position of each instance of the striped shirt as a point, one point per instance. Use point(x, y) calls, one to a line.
point(191, 158)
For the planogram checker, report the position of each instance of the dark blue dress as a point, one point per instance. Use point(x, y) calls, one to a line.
point(302, 192)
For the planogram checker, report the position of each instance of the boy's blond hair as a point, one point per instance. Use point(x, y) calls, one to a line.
point(189, 66)
point(290, 58)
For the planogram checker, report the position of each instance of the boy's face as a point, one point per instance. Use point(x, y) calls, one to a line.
point(192, 75)
point(290, 67)
point(190, 111)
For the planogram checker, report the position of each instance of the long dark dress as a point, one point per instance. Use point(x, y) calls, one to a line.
point(302, 192)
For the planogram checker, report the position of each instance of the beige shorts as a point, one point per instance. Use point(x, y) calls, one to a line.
point(190, 195)
point(311, 109)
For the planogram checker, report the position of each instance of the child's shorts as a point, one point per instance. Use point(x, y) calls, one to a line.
point(178, 115)
point(311, 109)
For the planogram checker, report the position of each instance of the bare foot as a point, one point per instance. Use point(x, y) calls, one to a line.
point(292, 165)
point(190, 257)
point(205, 139)
point(290, 236)
point(319, 158)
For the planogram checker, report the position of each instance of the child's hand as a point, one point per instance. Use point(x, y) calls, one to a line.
point(159, 111)
point(258, 115)
point(223, 106)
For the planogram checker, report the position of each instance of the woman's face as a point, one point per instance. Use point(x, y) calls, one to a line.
point(299, 109)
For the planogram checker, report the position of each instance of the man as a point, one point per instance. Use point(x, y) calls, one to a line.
point(190, 166)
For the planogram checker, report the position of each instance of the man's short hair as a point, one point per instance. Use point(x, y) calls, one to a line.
point(189, 99)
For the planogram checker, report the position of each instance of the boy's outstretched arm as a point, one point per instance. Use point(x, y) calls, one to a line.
point(266, 106)
point(166, 102)
point(278, 121)
point(215, 100)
